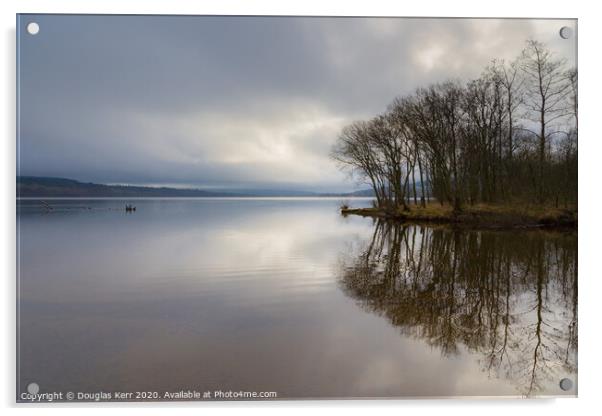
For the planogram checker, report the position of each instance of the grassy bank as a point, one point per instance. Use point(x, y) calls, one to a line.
point(480, 215)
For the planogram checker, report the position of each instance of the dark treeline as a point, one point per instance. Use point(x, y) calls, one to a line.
point(509, 136)
point(510, 301)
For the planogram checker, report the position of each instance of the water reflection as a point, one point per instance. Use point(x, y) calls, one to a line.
point(510, 298)
point(212, 294)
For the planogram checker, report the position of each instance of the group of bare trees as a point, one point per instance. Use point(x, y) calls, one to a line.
point(508, 136)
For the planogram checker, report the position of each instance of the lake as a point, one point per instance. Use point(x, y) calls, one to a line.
point(285, 295)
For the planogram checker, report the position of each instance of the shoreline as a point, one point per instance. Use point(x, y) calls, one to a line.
point(479, 216)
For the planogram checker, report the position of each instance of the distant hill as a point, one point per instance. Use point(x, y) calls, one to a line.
point(46, 187)
point(364, 192)
point(34, 186)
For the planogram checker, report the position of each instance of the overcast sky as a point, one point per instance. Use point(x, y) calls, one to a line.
point(243, 102)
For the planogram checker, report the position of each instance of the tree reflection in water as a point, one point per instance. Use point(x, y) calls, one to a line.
point(509, 297)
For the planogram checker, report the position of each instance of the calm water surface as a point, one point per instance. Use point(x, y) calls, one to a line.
point(286, 295)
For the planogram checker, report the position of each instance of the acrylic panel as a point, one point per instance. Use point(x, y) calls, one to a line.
point(286, 207)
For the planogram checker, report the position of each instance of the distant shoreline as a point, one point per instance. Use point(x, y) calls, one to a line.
point(41, 187)
point(122, 198)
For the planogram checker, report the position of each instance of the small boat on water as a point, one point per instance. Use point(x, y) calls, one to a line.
point(130, 208)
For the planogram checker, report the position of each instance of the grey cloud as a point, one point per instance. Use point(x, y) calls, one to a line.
point(231, 100)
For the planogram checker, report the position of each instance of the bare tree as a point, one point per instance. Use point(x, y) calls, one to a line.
point(546, 95)
point(354, 152)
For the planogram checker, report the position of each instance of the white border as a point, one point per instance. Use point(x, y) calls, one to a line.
point(589, 173)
